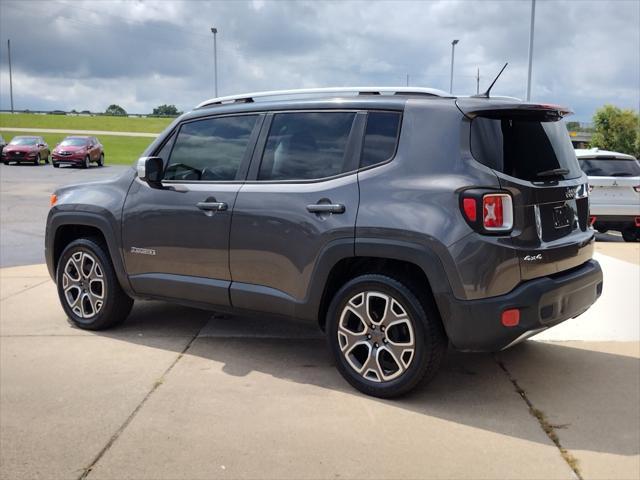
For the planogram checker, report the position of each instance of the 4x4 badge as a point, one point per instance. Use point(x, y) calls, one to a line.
point(533, 258)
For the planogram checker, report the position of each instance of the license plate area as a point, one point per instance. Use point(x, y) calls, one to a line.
point(562, 216)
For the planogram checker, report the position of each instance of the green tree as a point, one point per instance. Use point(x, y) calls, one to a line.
point(617, 130)
point(573, 126)
point(169, 110)
point(115, 110)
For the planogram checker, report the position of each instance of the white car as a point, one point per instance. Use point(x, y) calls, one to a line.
point(614, 182)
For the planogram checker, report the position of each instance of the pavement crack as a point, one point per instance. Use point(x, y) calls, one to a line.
point(86, 471)
point(548, 428)
point(25, 289)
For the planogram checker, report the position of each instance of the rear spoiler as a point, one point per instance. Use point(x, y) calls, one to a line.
point(495, 108)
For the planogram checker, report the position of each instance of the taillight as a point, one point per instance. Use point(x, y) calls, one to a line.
point(470, 209)
point(497, 212)
point(592, 220)
point(487, 212)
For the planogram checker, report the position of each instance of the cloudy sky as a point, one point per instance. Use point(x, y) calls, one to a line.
point(87, 54)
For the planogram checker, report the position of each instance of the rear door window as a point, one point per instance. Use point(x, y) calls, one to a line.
point(380, 138)
point(526, 149)
point(306, 146)
point(612, 167)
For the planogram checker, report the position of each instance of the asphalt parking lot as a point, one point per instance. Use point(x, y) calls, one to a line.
point(182, 393)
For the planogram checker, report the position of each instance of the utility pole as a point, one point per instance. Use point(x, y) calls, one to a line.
point(10, 75)
point(215, 61)
point(478, 82)
point(533, 16)
point(453, 51)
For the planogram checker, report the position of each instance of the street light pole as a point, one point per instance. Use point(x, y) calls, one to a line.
point(533, 16)
point(215, 61)
point(10, 74)
point(453, 51)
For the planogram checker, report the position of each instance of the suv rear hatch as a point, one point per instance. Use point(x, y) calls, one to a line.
point(529, 149)
point(614, 180)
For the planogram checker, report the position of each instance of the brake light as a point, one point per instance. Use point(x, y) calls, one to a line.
point(470, 209)
point(592, 220)
point(637, 221)
point(497, 212)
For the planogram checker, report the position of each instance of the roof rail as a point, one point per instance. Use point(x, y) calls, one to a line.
point(250, 97)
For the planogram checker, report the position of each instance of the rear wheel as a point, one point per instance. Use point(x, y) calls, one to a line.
point(87, 162)
point(631, 234)
point(101, 160)
point(88, 287)
point(383, 338)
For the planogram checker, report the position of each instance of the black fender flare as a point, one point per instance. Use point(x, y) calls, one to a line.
point(423, 256)
point(102, 220)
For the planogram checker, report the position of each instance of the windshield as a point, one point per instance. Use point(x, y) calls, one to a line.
point(600, 167)
point(526, 149)
point(73, 142)
point(24, 141)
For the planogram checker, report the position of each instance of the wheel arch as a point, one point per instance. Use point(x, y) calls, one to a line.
point(412, 263)
point(63, 227)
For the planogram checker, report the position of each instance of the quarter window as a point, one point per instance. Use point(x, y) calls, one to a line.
point(306, 146)
point(380, 138)
point(210, 149)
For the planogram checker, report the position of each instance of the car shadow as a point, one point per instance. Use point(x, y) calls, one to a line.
point(576, 385)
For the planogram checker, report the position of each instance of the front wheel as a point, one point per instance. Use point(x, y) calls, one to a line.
point(88, 287)
point(87, 162)
point(383, 338)
point(37, 160)
point(55, 165)
point(631, 234)
point(101, 160)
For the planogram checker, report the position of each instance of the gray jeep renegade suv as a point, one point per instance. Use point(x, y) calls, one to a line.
point(400, 220)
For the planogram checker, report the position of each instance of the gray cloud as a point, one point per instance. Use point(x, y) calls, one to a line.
point(89, 54)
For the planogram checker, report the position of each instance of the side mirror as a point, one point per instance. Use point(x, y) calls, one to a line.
point(150, 170)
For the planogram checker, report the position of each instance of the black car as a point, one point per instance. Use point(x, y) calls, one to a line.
point(400, 220)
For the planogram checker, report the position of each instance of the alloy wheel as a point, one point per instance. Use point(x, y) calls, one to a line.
point(376, 336)
point(84, 285)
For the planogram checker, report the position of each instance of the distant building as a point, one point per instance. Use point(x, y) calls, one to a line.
point(580, 139)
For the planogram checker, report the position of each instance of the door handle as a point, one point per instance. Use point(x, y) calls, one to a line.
point(326, 208)
point(212, 206)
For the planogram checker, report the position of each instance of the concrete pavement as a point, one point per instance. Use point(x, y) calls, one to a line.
point(181, 393)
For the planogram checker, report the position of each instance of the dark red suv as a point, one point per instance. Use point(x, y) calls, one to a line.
point(26, 149)
point(78, 150)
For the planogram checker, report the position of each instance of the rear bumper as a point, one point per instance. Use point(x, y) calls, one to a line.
point(475, 325)
point(616, 222)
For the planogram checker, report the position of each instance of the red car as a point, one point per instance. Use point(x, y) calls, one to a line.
point(26, 149)
point(78, 150)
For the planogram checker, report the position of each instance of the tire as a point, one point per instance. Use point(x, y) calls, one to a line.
point(79, 293)
point(101, 160)
point(87, 162)
point(6, 163)
point(55, 165)
point(414, 332)
point(631, 234)
point(37, 160)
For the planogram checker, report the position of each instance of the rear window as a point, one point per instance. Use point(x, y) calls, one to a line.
point(526, 149)
point(306, 146)
point(380, 138)
point(600, 167)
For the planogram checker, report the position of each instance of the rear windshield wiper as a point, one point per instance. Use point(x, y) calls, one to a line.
point(556, 172)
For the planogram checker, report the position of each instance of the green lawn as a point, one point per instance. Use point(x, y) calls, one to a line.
point(112, 124)
point(117, 150)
